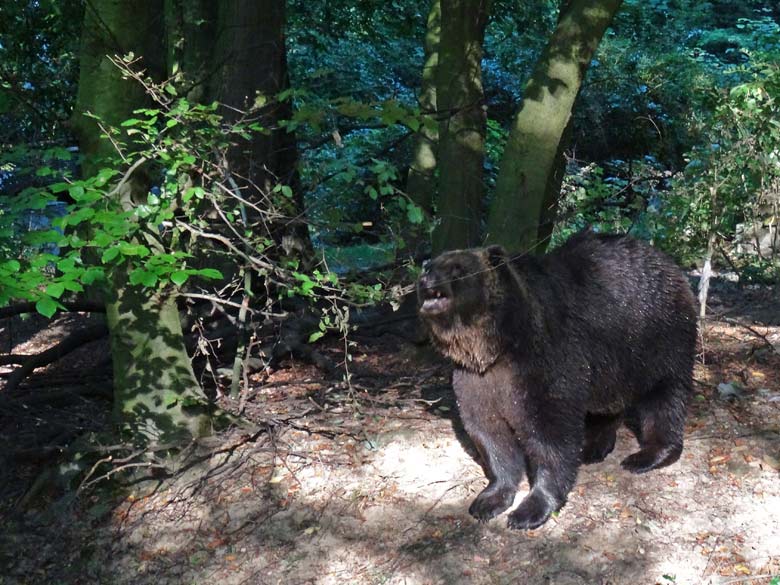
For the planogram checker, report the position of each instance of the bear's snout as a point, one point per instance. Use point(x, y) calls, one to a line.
point(433, 297)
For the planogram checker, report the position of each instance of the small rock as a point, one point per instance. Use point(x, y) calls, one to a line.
point(738, 468)
point(729, 391)
point(771, 461)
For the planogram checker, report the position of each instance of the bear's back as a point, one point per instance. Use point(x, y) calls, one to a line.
point(620, 305)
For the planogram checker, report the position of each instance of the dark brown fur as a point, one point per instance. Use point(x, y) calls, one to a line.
point(553, 354)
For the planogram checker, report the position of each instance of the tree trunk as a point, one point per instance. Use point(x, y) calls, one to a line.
point(191, 28)
point(421, 183)
point(532, 165)
point(113, 28)
point(250, 61)
point(462, 133)
point(156, 394)
point(233, 52)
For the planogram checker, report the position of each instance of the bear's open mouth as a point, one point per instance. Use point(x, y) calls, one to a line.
point(434, 301)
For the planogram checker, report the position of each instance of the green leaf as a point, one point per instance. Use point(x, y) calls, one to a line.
point(211, 273)
point(46, 307)
point(10, 266)
point(134, 250)
point(414, 213)
point(59, 187)
point(143, 277)
point(91, 275)
point(80, 215)
point(131, 122)
point(55, 289)
point(191, 192)
point(179, 277)
point(72, 286)
point(315, 336)
point(109, 255)
point(76, 192)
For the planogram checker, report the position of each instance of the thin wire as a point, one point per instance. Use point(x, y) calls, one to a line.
point(511, 258)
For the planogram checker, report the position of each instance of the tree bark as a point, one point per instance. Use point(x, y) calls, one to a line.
point(421, 183)
point(532, 165)
point(156, 394)
point(462, 133)
point(234, 52)
point(113, 28)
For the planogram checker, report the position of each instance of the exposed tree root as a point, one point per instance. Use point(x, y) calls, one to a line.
point(67, 345)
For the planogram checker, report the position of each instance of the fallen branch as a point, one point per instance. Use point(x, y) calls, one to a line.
point(14, 359)
point(70, 307)
point(755, 332)
point(67, 345)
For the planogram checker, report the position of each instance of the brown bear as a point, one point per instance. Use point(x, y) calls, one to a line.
point(553, 353)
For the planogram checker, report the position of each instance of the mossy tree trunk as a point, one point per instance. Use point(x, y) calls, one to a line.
point(460, 100)
point(156, 395)
point(532, 164)
point(421, 182)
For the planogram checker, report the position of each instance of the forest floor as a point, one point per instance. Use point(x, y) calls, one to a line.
point(369, 482)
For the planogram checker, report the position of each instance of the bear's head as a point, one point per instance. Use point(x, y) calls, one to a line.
point(459, 298)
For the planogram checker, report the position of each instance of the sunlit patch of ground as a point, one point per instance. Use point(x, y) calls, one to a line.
point(370, 483)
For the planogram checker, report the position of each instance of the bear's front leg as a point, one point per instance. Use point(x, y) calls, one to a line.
point(482, 405)
point(504, 464)
point(548, 495)
point(553, 447)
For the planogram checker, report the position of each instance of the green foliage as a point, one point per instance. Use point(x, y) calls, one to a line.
point(688, 143)
point(734, 177)
point(38, 68)
point(96, 236)
point(648, 110)
point(185, 213)
point(648, 88)
point(615, 198)
point(351, 194)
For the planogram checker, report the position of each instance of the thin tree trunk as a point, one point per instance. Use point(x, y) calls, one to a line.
point(156, 394)
point(462, 133)
point(421, 183)
point(531, 167)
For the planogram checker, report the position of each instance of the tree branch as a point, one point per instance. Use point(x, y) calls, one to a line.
point(71, 307)
point(67, 345)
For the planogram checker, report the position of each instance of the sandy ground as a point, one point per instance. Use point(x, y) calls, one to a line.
point(371, 485)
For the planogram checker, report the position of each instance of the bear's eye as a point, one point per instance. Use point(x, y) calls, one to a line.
point(456, 270)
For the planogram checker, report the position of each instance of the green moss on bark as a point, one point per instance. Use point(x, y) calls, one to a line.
point(531, 167)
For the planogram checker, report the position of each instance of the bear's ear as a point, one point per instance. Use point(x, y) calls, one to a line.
point(497, 256)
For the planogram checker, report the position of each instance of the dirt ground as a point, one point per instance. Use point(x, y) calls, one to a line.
point(368, 482)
